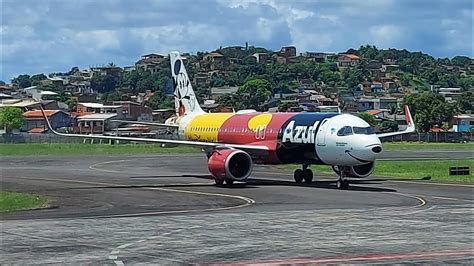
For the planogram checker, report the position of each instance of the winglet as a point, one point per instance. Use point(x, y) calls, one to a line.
point(410, 125)
point(48, 124)
point(409, 120)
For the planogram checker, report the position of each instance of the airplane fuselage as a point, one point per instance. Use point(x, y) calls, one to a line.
point(303, 138)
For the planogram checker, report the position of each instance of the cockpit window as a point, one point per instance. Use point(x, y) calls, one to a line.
point(363, 130)
point(345, 131)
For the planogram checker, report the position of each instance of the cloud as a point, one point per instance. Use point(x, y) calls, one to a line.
point(386, 35)
point(54, 35)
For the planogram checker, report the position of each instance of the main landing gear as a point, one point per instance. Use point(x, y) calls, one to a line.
point(220, 182)
point(305, 174)
point(342, 182)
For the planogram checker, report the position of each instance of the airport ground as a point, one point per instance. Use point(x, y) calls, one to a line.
point(164, 208)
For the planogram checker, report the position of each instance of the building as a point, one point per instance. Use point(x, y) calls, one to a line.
point(285, 93)
point(288, 51)
point(24, 104)
point(365, 104)
point(99, 108)
point(315, 56)
point(347, 60)
point(219, 91)
point(388, 102)
point(107, 70)
point(201, 79)
point(150, 62)
point(261, 57)
point(214, 57)
point(379, 113)
point(376, 87)
point(94, 123)
point(134, 111)
point(34, 120)
point(463, 123)
point(450, 94)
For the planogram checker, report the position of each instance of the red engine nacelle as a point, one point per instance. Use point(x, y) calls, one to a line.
point(230, 164)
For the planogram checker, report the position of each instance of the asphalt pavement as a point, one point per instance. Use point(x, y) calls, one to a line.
point(164, 209)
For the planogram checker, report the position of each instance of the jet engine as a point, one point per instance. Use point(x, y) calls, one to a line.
point(230, 164)
point(359, 171)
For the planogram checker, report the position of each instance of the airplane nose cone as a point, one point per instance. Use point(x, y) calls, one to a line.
point(377, 149)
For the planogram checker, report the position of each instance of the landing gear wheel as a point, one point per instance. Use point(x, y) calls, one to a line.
point(342, 184)
point(219, 182)
point(308, 175)
point(298, 175)
point(345, 184)
point(229, 181)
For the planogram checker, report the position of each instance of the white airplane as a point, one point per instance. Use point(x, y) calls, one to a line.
point(234, 142)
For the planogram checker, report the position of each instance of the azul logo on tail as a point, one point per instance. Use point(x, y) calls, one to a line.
point(300, 134)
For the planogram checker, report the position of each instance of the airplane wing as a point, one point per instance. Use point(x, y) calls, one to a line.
point(147, 123)
point(410, 128)
point(200, 144)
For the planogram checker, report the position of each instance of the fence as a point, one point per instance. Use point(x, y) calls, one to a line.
point(432, 137)
point(424, 137)
point(51, 138)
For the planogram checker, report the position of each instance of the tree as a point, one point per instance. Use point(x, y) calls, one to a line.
point(11, 118)
point(254, 93)
point(72, 103)
point(23, 81)
point(368, 118)
point(2, 83)
point(430, 109)
point(36, 79)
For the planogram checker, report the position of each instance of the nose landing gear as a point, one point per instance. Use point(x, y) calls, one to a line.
point(342, 182)
point(305, 174)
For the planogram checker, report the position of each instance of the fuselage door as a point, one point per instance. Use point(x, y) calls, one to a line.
point(321, 136)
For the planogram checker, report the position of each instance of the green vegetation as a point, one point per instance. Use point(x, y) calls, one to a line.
point(436, 170)
point(88, 149)
point(11, 118)
point(399, 146)
point(414, 70)
point(13, 201)
point(429, 110)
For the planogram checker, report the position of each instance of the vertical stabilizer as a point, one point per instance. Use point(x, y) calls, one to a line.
point(184, 97)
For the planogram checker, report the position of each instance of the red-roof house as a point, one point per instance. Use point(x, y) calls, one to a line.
point(35, 120)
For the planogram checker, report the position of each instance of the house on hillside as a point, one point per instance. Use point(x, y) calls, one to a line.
point(365, 104)
point(288, 51)
point(315, 56)
point(95, 123)
point(376, 87)
point(150, 62)
point(347, 60)
point(134, 111)
point(379, 113)
point(107, 70)
point(261, 57)
point(463, 123)
point(220, 91)
point(214, 57)
point(201, 79)
point(34, 121)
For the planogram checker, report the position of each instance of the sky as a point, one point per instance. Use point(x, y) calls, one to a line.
point(45, 36)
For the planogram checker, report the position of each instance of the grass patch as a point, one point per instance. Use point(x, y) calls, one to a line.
point(14, 201)
point(438, 170)
point(400, 146)
point(88, 149)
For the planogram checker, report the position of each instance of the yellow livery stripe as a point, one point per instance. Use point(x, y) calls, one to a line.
point(205, 127)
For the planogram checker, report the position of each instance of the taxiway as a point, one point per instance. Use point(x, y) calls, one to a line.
point(165, 209)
